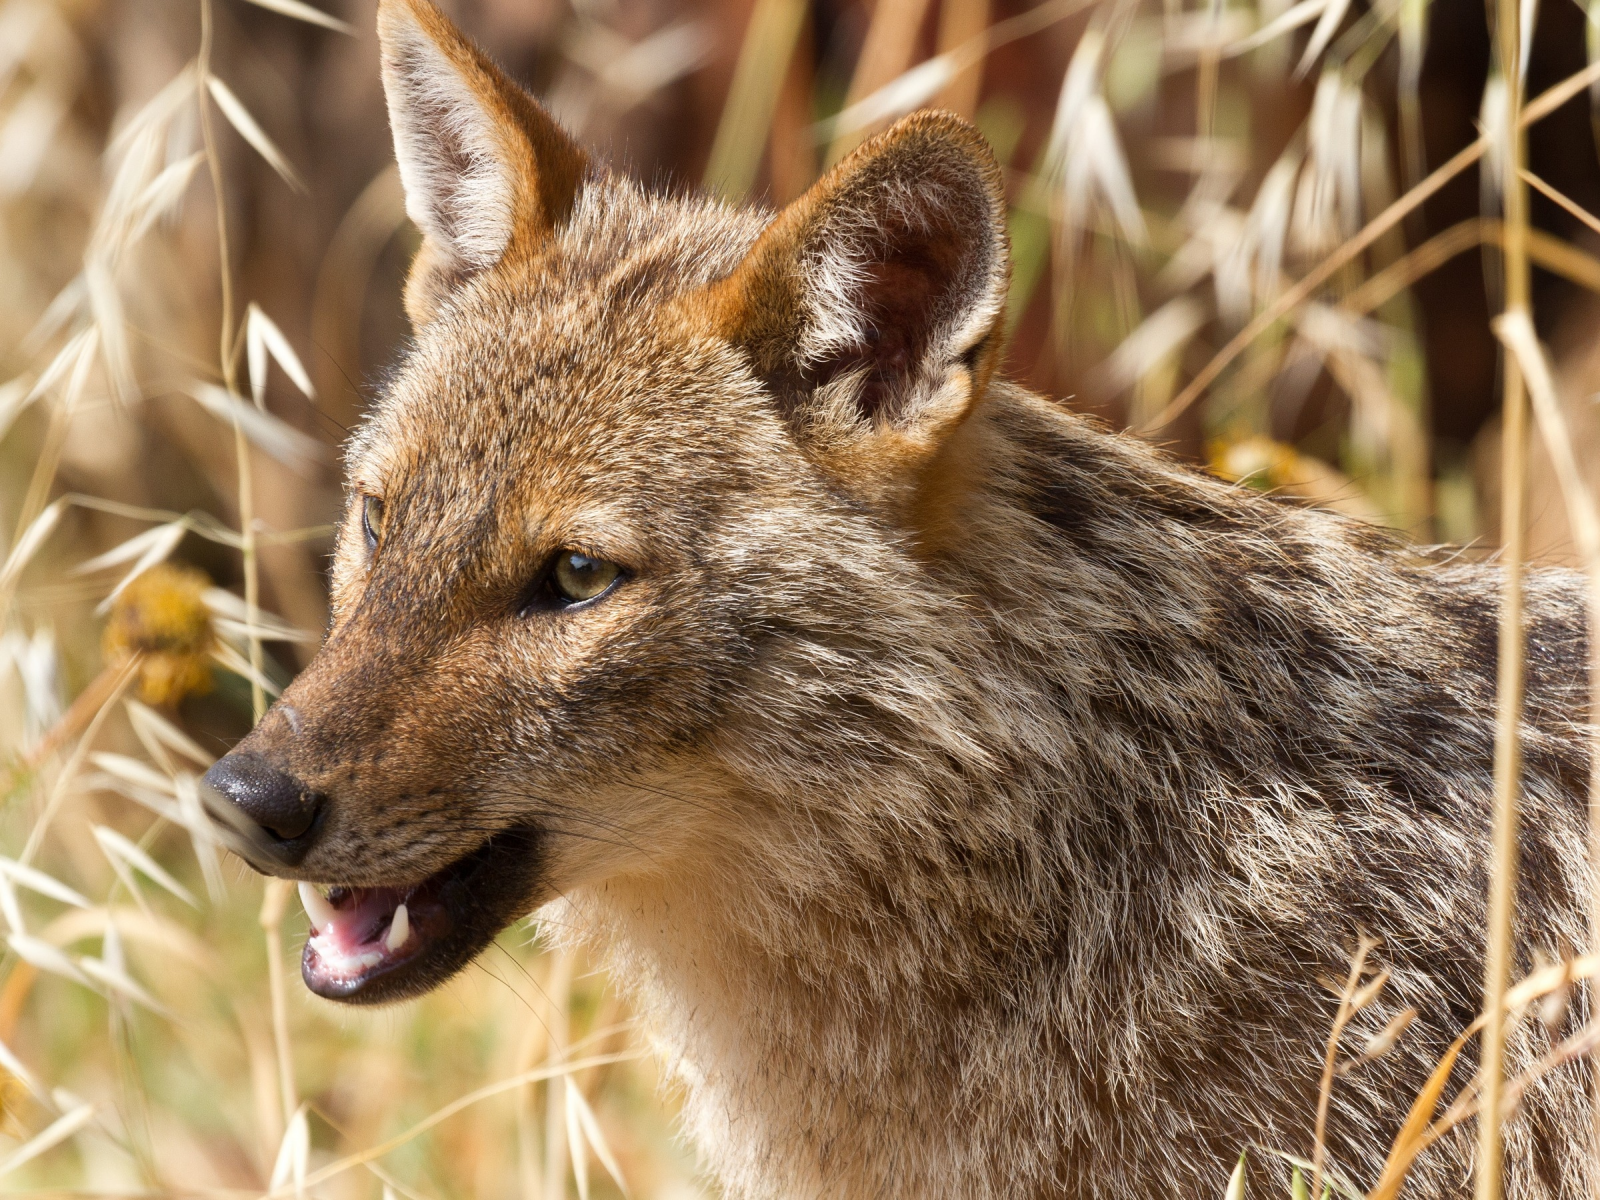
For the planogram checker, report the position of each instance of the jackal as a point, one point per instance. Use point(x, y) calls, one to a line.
point(972, 800)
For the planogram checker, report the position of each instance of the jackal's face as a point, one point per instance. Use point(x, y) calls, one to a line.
point(638, 446)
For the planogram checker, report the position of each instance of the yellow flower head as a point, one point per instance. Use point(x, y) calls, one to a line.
point(1258, 461)
point(162, 617)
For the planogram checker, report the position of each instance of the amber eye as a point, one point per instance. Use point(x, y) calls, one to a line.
point(372, 521)
point(576, 577)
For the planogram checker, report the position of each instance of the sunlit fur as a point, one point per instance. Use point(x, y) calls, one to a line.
point(972, 801)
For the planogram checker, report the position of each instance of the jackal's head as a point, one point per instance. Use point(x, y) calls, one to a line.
point(620, 527)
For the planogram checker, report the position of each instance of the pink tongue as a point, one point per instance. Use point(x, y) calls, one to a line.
point(361, 922)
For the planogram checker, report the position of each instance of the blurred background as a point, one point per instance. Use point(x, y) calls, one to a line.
point(1256, 231)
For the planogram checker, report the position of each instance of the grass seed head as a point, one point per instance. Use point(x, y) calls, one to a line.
point(162, 617)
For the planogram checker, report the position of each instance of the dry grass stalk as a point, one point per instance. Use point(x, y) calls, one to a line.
point(226, 354)
point(1546, 103)
point(1515, 329)
point(1570, 205)
point(85, 706)
point(1205, 97)
point(274, 904)
point(339, 294)
point(556, 1145)
point(920, 84)
point(1544, 250)
point(960, 21)
point(1420, 1130)
point(891, 41)
point(1353, 997)
point(558, 1072)
point(59, 788)
point(792, 151)
point(763, 64)
point(1512, 637)
point(1414, 1133)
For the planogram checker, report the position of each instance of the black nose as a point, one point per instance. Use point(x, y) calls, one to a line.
point(286, 811)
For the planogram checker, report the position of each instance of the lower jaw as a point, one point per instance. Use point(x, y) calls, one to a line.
point(459, 911)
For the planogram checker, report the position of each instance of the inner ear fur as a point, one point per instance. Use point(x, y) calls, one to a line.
point(487, 172)
point(874, 302)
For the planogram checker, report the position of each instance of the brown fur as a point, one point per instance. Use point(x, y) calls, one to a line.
point(969, 798)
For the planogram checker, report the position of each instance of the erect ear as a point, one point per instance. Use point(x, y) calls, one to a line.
point(872, 305)
point(487, 173)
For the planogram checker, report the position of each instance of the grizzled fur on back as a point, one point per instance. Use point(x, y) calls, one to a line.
point(1212, 740)
point(973, 801)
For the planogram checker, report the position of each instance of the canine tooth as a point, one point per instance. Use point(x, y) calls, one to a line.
point(399, 930)
point(316, 906)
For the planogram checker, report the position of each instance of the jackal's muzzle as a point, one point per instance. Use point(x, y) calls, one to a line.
point(369, 945)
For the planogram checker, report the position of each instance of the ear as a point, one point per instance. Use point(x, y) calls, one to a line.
point(487, 173)
point(872, 305)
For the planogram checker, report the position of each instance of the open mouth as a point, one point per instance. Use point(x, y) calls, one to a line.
point(359, 933)
point(374, 944)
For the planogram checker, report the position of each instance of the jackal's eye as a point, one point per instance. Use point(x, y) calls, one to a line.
point(372, 521)
point(576, 577)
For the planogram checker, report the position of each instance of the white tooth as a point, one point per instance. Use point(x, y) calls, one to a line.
point(370, 959)
point(316, 906)
point(399, 930)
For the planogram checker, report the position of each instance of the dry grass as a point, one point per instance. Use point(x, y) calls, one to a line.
point(1181, 268)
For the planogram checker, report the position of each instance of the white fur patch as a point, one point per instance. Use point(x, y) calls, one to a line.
point(458, 185)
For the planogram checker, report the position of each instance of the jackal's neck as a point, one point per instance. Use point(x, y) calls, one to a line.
point(1008, 830)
